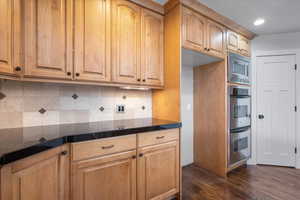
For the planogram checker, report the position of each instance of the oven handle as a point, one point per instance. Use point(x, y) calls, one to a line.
point(239, 130)
point(241, 96)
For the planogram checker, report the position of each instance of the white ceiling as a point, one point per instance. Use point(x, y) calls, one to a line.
point(282, 16)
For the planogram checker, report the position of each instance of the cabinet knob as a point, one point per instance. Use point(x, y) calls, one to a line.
point(205, 49)
point(69, 73)
point(77, 74)
point(144, 80)
point(138, 79)
point(64, 153)
point(208, 49)
point(141, 155)
point(133, 157)
point(18, 68)
point(261, 116)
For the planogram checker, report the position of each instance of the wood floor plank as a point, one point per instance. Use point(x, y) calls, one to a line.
point(251, 183)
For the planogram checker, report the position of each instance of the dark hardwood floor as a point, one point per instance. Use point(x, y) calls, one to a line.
point(251, 183)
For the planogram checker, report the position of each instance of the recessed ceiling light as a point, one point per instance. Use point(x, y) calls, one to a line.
point(259, 22)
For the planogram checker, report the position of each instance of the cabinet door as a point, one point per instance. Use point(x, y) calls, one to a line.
point(216, 39)
point(42, 177)
point(232, 41)
point(152, 48)
point(92, 40)
point(6, 66)
point(126, 26)
point(193, 30)
point(111, 177)
point(48, 38)
point(244, 46)
point(158, 171)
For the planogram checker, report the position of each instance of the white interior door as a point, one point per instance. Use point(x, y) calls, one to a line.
point(276, 137)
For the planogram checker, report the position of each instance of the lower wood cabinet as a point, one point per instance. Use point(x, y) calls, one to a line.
point(149, 169)
point(110, 177)
point(44, 176)
point(145, 166)
point(158, 171)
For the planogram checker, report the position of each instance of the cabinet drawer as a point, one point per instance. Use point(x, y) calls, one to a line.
point(157, 137)
point(101, 147)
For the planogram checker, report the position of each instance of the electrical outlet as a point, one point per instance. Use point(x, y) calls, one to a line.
point(120, 109)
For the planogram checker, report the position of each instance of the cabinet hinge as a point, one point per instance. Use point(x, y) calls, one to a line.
point(296, 150)
point(296, 67)
point(296, 108)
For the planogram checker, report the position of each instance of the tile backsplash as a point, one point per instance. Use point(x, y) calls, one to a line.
point(24, 104)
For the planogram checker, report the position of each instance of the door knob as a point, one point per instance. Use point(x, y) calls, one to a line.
point(261, 116)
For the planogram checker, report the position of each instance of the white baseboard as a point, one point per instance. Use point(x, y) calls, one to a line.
point(251, 162)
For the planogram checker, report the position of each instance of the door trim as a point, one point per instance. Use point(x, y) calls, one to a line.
point(255, 55)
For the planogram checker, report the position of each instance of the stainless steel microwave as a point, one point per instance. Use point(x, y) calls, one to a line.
point(238, 69)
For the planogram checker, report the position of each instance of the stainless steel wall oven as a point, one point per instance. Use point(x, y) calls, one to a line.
point(239, 124)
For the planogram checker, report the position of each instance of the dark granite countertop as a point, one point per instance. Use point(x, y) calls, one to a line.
point(18, 143)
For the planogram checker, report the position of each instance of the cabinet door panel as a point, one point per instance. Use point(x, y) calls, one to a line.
point(216, 39)
point(126, 41)
point(48, 38)
point(6, 66)
point(158, 171)
point(110, 177)
point(42, 177)
point(194, 30)
point(92, 40)
point(244, 46)
point(152, 48)
point(232, 41)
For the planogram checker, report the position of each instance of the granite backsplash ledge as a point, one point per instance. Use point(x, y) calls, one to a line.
point(25, 104)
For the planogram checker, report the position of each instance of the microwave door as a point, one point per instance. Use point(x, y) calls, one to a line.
point(239, 67)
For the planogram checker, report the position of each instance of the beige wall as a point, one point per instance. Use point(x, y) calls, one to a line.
point(23, 101)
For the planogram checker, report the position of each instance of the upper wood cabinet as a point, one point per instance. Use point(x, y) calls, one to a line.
point(216, 39)
point(158, 171)
point(238, 43)
point(126, 42)
point(97, 41)
point(48, 38)
point(44, 176)
point(152, 51)
point(110, 177)
point(232, 41)
point(244, 46)
point(203, 35)
point(193, 30)
point(92, 40)
point(6, 34)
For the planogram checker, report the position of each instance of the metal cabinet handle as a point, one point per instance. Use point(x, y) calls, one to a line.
point(18, 68)
point(160, 137)
point(108, 147)
point(64, 153)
